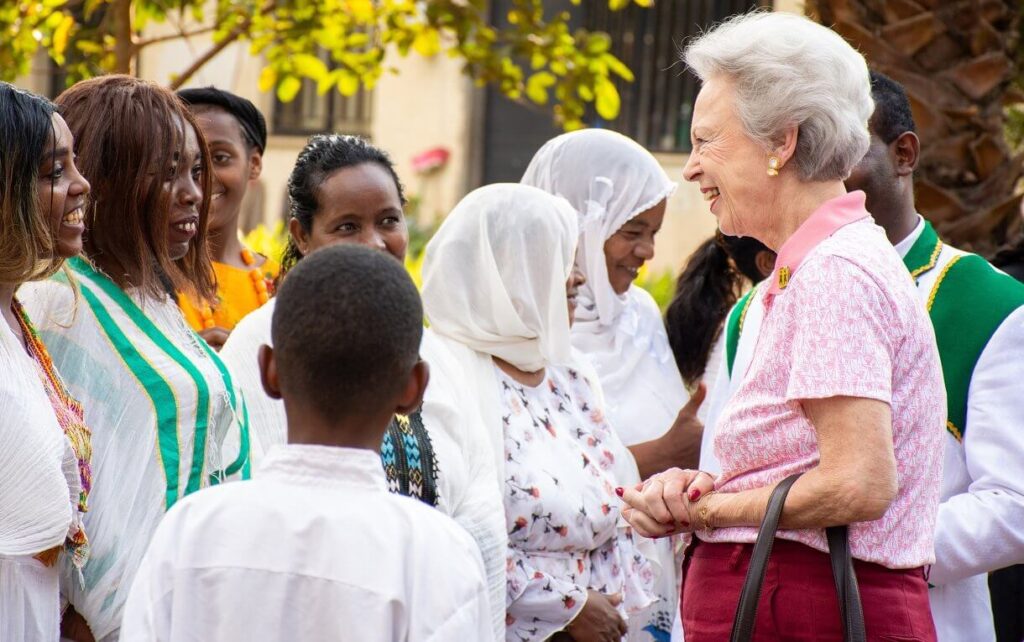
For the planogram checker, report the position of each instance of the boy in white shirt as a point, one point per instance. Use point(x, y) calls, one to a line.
point(315, 548)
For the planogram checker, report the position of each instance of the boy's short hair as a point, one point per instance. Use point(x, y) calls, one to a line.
point(346, 330)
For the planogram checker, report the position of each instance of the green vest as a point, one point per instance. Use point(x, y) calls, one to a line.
point(734, 327)
point(968, 302)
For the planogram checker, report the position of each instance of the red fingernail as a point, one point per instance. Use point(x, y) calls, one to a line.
point(694, 494)
point(619, 492)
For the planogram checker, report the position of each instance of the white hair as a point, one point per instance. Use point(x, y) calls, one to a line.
point(789, 70)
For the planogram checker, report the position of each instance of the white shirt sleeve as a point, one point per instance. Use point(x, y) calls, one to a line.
point(471, 619)
point(466, 479)
point(147, 611)
point(982, 529)
point(719, 392)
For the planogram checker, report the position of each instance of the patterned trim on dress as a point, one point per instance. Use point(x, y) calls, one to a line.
point(410, 463)
point(71, 419)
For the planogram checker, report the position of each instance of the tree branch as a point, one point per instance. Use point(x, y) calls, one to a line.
point(173, 36)
point(218, 47)
point(122, 16)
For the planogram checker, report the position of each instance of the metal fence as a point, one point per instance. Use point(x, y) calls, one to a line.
point(657, 105)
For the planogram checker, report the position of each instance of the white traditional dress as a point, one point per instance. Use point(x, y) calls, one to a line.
point(609, 179)
point(494, 287)
point(978, 316)
point(38, 488)
point(439, 455)
point(318, 551)
point(159, 402)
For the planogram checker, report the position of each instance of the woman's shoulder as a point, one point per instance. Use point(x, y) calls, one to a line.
point(644, 300)
point(52, 303)
point(252, 331)
point(858, 261)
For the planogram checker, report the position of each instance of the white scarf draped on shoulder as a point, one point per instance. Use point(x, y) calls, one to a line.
point(494, 286)
point(609, 179)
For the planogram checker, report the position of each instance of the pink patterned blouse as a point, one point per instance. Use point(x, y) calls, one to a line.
point(842, 318)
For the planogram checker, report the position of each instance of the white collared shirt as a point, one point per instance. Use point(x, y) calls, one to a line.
point(314, 548)
point(904, 246)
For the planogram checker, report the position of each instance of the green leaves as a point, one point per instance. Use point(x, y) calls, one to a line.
point(341, 44)
point(288, 88)
point(607, 102)
point(537, 87)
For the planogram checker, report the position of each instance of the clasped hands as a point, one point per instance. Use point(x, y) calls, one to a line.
point(668, 503)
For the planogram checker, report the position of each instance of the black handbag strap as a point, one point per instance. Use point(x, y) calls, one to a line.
point(846, 583)
point(842, 573)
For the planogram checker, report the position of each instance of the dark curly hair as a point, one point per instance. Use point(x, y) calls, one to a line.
point(892, 116)
point(323, 155)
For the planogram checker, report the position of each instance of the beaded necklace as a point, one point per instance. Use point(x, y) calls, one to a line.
point(71, 420)
point(259, 282)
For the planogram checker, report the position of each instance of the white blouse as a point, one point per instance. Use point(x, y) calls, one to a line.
point(565, 531)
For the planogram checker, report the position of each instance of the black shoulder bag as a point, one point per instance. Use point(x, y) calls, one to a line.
point(842, 571)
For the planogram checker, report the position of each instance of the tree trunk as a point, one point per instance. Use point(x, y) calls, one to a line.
point(957, 62)
point(123, 49)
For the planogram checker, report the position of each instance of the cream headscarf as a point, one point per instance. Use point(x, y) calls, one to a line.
point(609, 179)
point(494, 286)
point(494, 275)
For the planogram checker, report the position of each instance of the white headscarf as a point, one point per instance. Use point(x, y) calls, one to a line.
point(494, 286)
point(494, 275)
point(609, 179)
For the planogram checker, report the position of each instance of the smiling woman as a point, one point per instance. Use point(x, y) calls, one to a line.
point(160, 403)
point(44, 444)
point(844, 384)
point(237, 136)
point(344, 190)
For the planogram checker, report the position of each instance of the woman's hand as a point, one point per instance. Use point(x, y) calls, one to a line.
point(598, 621)
point(680, 446)
point(666, 504)
point(215, 337)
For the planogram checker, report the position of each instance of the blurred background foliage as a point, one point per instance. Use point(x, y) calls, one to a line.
point(341, 45)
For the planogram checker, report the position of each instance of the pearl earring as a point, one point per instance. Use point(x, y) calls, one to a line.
point(773, 166)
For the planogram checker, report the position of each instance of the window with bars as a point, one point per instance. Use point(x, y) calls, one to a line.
point(657, 105)
point(310, 113)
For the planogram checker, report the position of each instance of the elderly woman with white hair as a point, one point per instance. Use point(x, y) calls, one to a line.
point(844, 385)
point(499, 289)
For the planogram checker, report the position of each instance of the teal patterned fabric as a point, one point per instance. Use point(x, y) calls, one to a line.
point(410, 463)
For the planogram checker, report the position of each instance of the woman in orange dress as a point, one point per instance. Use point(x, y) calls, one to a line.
point(237, 135)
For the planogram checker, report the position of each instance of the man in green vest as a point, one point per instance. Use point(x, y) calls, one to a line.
point(978, 316)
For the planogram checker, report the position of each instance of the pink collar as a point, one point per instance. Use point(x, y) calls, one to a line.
point(823, 223)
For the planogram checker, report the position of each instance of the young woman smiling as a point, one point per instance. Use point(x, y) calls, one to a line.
point(158, 399)
point(44, 444)
point(236, 133)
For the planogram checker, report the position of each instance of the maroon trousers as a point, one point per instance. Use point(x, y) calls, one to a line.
point(798, 600)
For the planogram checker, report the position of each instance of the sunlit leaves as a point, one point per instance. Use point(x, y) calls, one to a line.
point(340, 45)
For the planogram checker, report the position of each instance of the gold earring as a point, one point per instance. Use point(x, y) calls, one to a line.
point(773, 166)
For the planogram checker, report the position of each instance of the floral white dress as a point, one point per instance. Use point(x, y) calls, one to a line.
point(566, 534)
